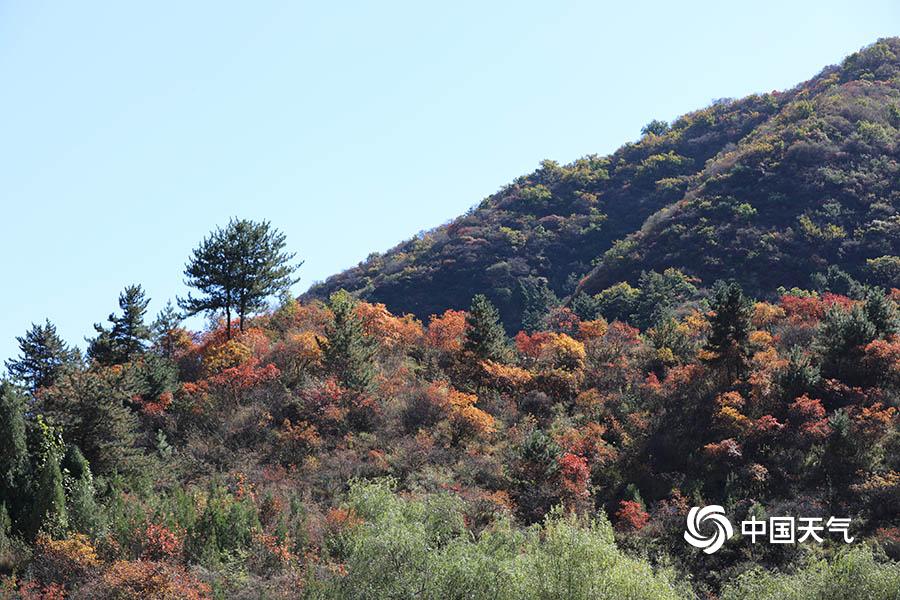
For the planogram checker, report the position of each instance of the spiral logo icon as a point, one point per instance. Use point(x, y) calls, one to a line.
point(715, 514)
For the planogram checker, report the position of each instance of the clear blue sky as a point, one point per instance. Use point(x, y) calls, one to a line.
point(127, 132)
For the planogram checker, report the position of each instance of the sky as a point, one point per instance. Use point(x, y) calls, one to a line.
point(129, 130)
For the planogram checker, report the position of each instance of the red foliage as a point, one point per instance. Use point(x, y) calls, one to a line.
point(631, 516)
point(575, 474)
point(727, 449)
point(161, 543)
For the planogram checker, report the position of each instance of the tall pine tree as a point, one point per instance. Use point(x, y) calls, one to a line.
point(128, 337)
point(43, 357)
point(236, 269)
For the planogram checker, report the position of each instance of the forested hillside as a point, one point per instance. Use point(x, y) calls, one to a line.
point(530, 431)
point(772, 190)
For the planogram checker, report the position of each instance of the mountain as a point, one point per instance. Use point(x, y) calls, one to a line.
point(770, 190)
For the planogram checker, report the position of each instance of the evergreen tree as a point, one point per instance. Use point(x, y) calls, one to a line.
point(537, 300)
point(13, 450)
point(585, 307)
point(165, 330)
point(882, 313)
point(94, 407)
point(128, 337)
point(43, 357)
point(49, 501)
point(840, 340)
point(730, 327)
point(485, 336)
point(347, 352)
point(236, 269)
point(83, 513)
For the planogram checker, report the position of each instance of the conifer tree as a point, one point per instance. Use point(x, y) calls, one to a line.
point(81, 504)
point(235, 269)
point(347, 351)
point(128, 337)
point(537, 300)
point(94, 407)
point(43, 357)
point(13, 450)
point(485, 336)
point(165, 330)
point(728, 341)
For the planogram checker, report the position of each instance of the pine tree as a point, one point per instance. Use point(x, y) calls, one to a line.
point(165, 330)
point(730, 326)
point(13, 450)
point(485, 336)
point(537, 300)
point(585, 307)
point(236, 269)
point(128, 337)
point(347, 352)
point(43, 357)
point(882, 313)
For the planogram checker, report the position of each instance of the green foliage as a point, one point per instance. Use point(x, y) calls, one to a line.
point(655, 127)
point(399, 552)
point(730, 328)
point(43, 357)
point(237, 268)
point(618, 302)
point(538, 299)
point(485, 337)
point(83, 511)
point(49, 502)
point(851, 574)
point(347, 352)
point(14, 465)
point(840, 340)
point(94, 407)
point(128, 337)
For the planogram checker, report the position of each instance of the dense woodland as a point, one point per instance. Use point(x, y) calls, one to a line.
point(709, 316)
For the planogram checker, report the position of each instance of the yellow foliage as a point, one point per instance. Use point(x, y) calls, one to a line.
point(765, 314)
point(507, 375)
point(588, 330)
point(733, 420)
point(225, 356)
point(562, 351)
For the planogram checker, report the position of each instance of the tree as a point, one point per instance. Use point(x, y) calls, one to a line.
point(346, 351)
point(79, 486)
point(129, 335)
point(49, 502)
point(485, 336)
point(236, 269)
point(537, 300)
point(94, 407)
point(43, 357)
point(655, 127)
point(166, 329)
point(13, 450)
point(730, 323)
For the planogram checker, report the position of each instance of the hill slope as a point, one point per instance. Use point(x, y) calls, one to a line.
point(769, 189)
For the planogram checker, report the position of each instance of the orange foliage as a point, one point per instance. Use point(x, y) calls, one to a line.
point(588, 330)
point(148, 580)
point(390, 331)
point(506, 377)
point(161, 543)
point(448, 331)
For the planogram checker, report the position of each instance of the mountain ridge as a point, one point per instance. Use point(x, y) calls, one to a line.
point(650, 204)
